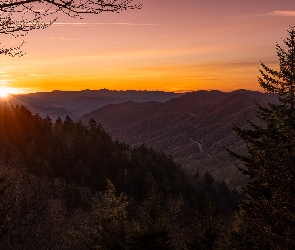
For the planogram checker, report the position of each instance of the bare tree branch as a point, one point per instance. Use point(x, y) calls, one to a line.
point(18, 17)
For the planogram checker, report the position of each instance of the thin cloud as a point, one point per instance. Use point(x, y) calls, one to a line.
point(103, 24)
point(45, 11)
point(5, 82)
point(44, 75)
point(37, 75)
point(62, 38)
point(282, 13)
point(278, 13)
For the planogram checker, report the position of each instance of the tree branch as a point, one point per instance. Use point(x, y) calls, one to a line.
point(16, 24)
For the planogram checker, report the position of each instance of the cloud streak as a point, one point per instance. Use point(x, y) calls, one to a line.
point(62, 38)
point(282, 13)
point(104, 24)
point(275, 13)
point(36, 75)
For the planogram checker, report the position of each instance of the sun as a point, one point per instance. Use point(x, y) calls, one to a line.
point(4, 92)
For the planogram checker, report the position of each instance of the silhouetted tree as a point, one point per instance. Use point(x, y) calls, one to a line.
point(267, 217)
point(20, 17)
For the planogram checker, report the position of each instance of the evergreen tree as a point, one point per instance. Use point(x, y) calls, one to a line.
point(267, 217)
point(107, 226)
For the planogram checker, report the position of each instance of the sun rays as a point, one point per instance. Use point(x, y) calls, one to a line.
point(6, 91)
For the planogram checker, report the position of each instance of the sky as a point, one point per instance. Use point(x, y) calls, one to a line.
point(168, 45)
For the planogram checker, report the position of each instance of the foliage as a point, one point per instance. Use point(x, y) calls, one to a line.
point(53, 194)
point(28, 211)
point(106, 226)
point(83, 154)
point(267, 216)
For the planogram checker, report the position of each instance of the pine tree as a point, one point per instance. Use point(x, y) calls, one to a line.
point(107, 226)
point(266, 219)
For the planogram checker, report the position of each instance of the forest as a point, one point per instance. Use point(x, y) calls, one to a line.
point(66, 184)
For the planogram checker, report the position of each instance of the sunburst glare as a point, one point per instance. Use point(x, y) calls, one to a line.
point(5, 91)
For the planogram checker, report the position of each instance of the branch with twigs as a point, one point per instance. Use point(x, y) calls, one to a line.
point(18, 17)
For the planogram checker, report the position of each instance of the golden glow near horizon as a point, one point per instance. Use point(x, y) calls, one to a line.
point(168, 45)
point(4, 91)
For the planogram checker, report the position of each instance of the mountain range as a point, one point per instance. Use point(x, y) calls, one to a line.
point(194, 128)
point(77, 103)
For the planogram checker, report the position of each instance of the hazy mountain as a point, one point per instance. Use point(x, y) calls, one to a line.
point(76, 103)
point(193, 128)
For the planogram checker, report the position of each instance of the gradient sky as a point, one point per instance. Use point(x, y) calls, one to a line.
point(170, 45)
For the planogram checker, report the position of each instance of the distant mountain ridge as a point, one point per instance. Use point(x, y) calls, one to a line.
point(77, 103)
point(194, 127)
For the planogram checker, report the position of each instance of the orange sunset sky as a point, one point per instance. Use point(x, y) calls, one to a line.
point(170, 45)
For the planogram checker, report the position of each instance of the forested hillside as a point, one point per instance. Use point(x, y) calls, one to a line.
point(66, 185)
point(194, 128)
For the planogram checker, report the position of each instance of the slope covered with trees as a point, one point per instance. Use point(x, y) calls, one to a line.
point(66, 185)
point(193, 128)
point(81, 153)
